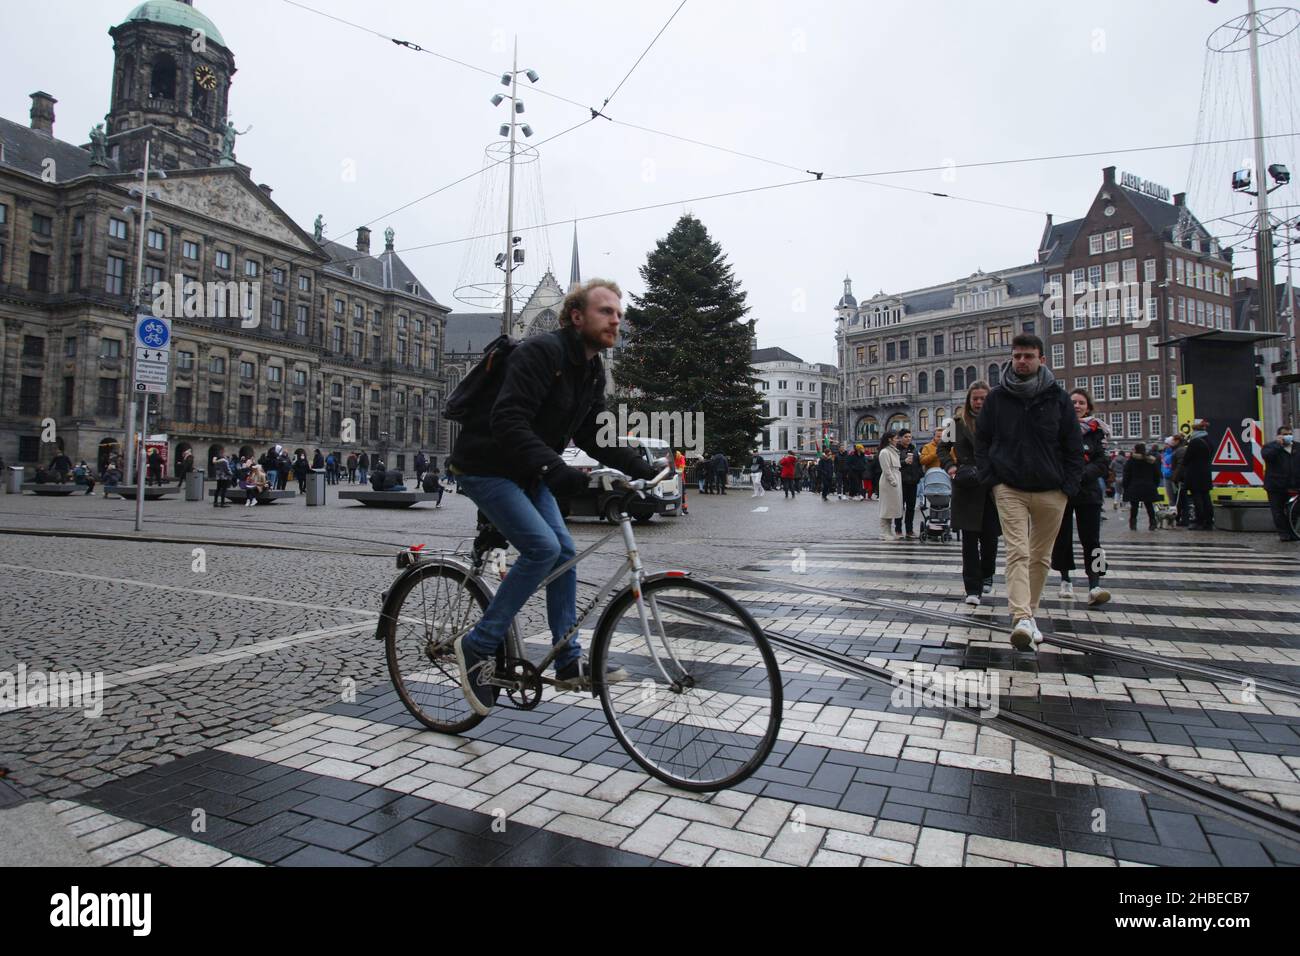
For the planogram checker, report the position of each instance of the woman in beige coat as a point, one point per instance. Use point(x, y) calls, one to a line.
point(891, 487)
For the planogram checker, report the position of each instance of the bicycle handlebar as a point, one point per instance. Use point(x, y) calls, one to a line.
point(612, 479)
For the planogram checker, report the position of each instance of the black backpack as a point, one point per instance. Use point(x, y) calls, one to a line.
point(479, 388)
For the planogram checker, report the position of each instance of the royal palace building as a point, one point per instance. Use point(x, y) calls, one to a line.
point(279, 336)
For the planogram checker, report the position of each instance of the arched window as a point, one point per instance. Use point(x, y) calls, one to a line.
point(958, 379)
point(904, 383)
point(866, 429)
point(162, 78)
point(922, 383)
point(859, 389)
point(939, 415)
point(995, 374)
point(971, 375)
point(938, 382)
point(873, 387)
point(890, 384)
point(923, 420)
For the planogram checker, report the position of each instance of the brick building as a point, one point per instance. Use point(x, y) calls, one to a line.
point(1135, 271)
point(335, 331)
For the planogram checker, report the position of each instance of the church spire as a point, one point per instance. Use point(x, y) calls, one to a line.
point(575, 274)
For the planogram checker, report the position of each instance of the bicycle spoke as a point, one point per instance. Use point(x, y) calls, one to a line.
point(714, 721)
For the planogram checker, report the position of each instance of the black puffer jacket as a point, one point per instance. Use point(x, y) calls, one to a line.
point(551, 392)
point(912, 473)
point(1141, 477)
point(1030, 445)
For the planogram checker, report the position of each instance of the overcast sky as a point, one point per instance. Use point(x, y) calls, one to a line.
point(839, 87)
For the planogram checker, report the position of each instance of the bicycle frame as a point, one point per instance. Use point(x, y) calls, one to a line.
point(635, 573)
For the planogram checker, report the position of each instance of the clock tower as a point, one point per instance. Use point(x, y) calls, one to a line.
point(171, 87)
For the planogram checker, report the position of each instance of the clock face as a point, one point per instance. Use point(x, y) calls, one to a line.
point(206, 77)
point(1109, 210)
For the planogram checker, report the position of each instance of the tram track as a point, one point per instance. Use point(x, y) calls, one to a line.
point(1189, 668)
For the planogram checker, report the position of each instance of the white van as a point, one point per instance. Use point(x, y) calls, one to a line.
point(664, 499)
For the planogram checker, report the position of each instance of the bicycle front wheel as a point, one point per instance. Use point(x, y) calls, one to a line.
point(701, 705)
point(435, 605)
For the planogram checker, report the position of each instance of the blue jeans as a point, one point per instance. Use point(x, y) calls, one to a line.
point(531, 521)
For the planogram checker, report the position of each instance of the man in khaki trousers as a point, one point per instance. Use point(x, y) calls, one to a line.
point(1030, 449)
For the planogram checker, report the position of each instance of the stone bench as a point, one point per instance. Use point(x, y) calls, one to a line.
point(50, 488)
point(389, 499)
point(263, 498)
point(151, 492)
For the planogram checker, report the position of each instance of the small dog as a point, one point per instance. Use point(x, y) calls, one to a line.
point(1166, 517)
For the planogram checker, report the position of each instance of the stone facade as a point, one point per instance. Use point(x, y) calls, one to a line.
point(337, 333)
point(802, 396)
point(907, 359)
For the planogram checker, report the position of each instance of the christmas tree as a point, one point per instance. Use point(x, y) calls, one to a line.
point(686, 343)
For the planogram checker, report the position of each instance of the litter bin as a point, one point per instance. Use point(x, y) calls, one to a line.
point(316, 487)
point(194, 485)
point(14, 479)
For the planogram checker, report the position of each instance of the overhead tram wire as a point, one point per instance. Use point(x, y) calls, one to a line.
point(643, 55)
point(818, 176)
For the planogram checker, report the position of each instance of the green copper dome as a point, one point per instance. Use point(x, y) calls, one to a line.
point(178, 14)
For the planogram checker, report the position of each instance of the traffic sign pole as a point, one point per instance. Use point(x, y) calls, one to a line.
point(138, 452)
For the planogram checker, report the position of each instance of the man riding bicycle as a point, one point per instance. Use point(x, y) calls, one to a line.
point(507, 460)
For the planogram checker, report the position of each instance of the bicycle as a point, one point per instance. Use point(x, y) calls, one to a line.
point(701, 706)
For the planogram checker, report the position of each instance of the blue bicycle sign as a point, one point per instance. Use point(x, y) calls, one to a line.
point(153, 333)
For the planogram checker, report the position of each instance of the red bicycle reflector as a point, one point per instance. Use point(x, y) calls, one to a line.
point(674, 574)
point(416, 547)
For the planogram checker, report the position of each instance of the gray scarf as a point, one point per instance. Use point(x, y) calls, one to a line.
point(1030, 388)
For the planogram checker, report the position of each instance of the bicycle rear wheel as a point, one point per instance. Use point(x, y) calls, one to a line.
point(701, 706)
point(435, 605)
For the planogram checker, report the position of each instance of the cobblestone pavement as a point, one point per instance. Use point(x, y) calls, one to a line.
point(247, 715)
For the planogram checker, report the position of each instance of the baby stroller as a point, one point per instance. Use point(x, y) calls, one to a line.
point(935, 493)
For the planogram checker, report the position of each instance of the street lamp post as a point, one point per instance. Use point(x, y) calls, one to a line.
point(512, 256)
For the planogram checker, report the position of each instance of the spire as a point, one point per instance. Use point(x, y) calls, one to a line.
point(848, 286)
point(575, 274)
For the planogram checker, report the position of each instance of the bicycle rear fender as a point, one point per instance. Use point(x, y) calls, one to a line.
point(410, 566)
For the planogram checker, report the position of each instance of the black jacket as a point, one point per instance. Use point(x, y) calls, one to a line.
point(842, 462)
point(857, 466)
point(1032, 445)
point(826, 468)
point(1281, 467)
point(911, 473)
point(1096, 464)
point(550, 393)
point(1141, 478)
point(1196, 466)
point(971, 507)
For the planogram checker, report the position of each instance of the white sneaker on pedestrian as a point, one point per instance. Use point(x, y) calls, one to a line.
point(1098, 595)
point(1022, 635)
point(973, 600)
point(1038, 635)
point(1067, 591)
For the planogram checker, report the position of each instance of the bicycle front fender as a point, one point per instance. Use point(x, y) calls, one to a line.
point(613, 602)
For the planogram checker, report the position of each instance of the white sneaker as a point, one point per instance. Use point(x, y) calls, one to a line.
point(1038, 635)
point(1022, 635)
point(1067, 591)
point(1098, 595)
point(973, 600)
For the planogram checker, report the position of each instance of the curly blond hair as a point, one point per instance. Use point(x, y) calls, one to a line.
point(577, 298)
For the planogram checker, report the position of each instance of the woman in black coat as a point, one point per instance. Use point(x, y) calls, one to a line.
point(1084, 509)
point(973, 510)
point(1141, 478)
